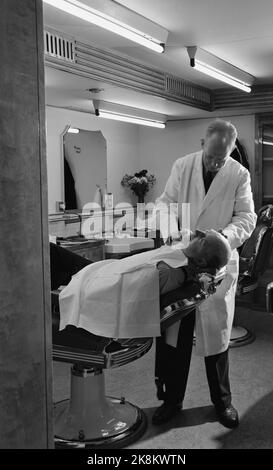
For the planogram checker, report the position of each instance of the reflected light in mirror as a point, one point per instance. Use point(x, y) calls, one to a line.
point(73, 130)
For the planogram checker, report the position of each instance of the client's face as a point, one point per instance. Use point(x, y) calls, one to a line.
point(199, 245)
point(195, 249)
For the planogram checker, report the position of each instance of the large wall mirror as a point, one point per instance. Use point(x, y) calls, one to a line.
point(84, 166)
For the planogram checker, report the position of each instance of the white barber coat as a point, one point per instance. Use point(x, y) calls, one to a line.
point(228, 205)
point(118, 298)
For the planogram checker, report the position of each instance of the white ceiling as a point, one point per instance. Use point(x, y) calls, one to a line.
point(238, 31)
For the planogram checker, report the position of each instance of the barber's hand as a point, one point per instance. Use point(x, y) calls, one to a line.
point(180, 236)
point(174, 238)
point(186, 233)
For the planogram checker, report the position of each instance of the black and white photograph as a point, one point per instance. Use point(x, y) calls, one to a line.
point(136, 229)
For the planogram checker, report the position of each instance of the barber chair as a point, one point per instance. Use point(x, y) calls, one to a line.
point(89, 419)
point(253, 262)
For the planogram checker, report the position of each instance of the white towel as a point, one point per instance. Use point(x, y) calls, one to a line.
point(118, 298)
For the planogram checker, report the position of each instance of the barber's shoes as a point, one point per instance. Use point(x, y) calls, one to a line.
point(228, 417)
point(165, 412)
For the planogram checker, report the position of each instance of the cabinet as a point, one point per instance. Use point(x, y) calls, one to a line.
point(94, 250)
point(263, 184)
point(267, 160)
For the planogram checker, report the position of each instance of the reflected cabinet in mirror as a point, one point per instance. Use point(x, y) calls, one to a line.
point(84, 167)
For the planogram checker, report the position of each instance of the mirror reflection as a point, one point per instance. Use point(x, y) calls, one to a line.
point(85, 166)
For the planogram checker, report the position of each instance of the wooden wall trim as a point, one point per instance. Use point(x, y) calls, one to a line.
point(25, 315)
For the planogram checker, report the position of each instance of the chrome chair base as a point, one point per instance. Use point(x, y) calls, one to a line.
point(91, 420)
point(241, 336)
point(134, 425)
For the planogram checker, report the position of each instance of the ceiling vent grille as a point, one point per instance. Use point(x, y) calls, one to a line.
point(178, 87)
point(59, 46)
point(261, 97)
point(107, 66)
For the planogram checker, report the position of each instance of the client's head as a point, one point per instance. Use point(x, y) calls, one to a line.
point(209, 249)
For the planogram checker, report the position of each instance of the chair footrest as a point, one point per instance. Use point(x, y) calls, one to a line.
point(131, 349)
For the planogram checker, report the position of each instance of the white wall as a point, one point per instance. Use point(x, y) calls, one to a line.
point(122, 142)
point(160, 148)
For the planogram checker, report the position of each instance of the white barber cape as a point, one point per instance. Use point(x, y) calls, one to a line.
point(118, 298)
point(228, 205)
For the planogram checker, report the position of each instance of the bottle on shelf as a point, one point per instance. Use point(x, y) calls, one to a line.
point(98, 199)
point(108, 198)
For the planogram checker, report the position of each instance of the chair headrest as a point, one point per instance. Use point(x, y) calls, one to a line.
point(265, 215)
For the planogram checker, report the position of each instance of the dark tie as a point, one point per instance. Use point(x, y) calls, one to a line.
point(207, 177)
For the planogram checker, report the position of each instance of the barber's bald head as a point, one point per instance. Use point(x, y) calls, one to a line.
point(218, 144)
point(225, 129)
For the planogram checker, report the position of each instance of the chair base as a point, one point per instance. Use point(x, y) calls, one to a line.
point(91, 420)
point(128, 425)
point(241, 336)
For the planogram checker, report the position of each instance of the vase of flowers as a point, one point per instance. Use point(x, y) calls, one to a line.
point(139, 183)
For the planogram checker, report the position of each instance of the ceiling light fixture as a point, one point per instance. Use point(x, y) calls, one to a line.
point(118, 112)
point(212, 72)
point(131, 119)
point(114, 17)
point(217, 68)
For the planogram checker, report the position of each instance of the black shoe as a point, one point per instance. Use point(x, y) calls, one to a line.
point(228, 417)
point(165, 412)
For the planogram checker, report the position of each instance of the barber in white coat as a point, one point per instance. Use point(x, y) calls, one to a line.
point(219, 192)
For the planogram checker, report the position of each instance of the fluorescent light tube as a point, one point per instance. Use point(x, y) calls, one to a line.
point(86, 13)
point(267, 142)
point(224, 77)
point(131, 119)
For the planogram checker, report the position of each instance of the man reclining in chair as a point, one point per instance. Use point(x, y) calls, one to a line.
point(121, 298)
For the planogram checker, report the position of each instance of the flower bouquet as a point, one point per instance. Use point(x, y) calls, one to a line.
point(139, 183)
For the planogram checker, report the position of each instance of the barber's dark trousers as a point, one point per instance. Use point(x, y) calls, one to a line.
point(173, 364)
